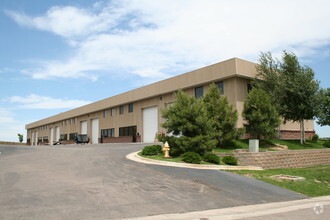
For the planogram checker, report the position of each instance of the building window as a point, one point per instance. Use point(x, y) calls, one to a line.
point(112, 112)
point(130, 107)
point(121, 110)
point(220, 86)
point(108, 132)
point(104, 113)
point(72, 136)
point(249, 87)
point(39, 140)
point(199, 92)
point(64, 137)
point(127, 131)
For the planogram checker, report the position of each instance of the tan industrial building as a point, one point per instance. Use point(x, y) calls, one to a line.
point(136, 115)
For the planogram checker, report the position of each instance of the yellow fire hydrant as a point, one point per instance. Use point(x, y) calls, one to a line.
point(166, 150)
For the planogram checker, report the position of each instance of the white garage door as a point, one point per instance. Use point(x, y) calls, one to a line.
point(36, 141)
point(57, 133)
point(150, 124)
point(83, 126)
point(95, 131)
point(51, 136)
point(32, 139)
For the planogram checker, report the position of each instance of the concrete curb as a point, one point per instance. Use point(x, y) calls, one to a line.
point(135, 157)
point(248, 211)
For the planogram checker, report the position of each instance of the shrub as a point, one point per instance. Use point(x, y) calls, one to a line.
point(315, 138)
point(230, 160)
point(326, 144)
point(151, 150)
point(211, 158)
point(191, 157)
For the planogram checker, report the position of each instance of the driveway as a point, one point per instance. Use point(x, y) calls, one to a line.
point(98, 182)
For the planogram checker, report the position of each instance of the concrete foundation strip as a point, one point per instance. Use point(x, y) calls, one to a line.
point(135, 157)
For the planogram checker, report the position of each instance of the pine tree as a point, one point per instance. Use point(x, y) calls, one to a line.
point(187, 120)
point(260, 114)
point(222, 116)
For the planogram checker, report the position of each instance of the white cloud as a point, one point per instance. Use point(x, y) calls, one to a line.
point(9, 126)
point(34, 101)
point(153, 39)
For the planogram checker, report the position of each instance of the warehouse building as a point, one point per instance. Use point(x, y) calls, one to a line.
point(135, 116)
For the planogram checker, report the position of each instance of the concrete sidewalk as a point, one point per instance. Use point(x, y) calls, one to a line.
point(313, 208)
point(135, 157)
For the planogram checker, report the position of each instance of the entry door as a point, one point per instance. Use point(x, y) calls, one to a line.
point(150, 124)
point(51, 136)
point(57, 133)
point(95, 131)
point(32, 139)
point(83, 126)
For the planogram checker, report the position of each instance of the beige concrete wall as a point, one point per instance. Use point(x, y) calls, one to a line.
point(235, 73)
point(222, 70)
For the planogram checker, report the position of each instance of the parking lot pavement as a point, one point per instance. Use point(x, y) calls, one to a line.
point(98, 182)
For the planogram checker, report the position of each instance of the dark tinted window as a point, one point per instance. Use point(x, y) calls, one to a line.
point(220, 86)
point(199, 92)
point(127, 131)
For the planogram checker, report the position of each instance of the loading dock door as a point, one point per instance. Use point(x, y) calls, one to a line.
point(32, 139)
point(57, 133)
point(51, 136)
point(150, 124)
point(36, 140)
point(95, 131)
point(83, 126)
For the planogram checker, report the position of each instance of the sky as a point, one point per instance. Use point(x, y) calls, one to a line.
point(57, 55)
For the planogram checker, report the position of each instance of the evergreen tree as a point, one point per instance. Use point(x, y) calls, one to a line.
point(222, 116)
point(260, 114)
point(187, 120)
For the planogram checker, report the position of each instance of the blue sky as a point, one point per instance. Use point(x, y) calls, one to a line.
point(60, 54)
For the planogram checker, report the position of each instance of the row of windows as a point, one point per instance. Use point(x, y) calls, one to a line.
point(121, 110)
point(71, 121)
point(108, 132)
point(199, 91)
point(127, 131)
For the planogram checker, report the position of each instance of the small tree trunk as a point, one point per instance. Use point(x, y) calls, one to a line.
point(301, 132)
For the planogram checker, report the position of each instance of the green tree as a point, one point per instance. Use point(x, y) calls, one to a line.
point(298, 92)
point(324, 108)
point(187, 120)
point(20, 137)
point(260, 114)
point(291, 87)
point(268, 77)
point(221, 115)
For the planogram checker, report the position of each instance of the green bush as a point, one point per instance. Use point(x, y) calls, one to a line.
point(326, 144)
point(211, 158)
point(151, 150)
point(230, 160)
point(315, 138)
point(191, 157)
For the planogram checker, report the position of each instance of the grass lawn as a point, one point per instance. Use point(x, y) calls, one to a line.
point(317, 181)
point(265, 144)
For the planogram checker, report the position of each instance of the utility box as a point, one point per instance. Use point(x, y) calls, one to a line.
point(254, 145)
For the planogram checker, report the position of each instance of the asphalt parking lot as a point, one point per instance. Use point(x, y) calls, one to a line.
point(98, 182)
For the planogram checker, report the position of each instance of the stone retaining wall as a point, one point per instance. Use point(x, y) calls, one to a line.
point(283, 159)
